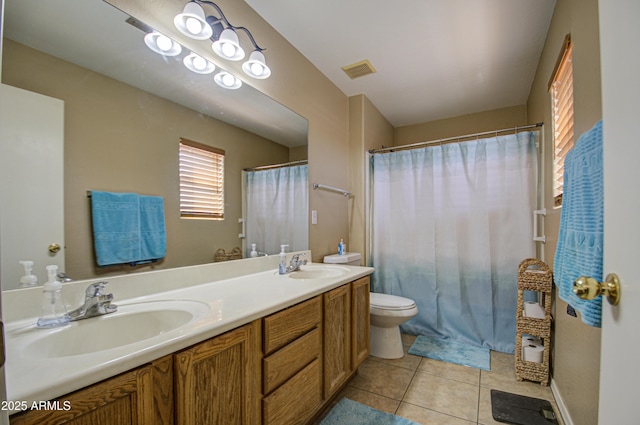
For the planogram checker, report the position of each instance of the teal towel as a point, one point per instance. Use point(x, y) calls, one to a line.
point(153, 236)
point(580, 239)
point(127, 228)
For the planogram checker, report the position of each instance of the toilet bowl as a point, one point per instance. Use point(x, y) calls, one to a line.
point(387, 313)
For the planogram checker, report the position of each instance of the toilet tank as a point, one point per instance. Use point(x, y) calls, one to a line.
point(349, 259)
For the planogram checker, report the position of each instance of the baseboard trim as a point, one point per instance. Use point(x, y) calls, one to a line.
point(562, 407)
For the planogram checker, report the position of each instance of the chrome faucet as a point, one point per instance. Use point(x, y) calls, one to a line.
point(295, 263)
point(96, 303)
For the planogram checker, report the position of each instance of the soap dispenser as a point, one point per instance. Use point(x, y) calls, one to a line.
point(342, 247)
point(253, 252)
point(54, 313)
point(282, 267)
point(29, 279)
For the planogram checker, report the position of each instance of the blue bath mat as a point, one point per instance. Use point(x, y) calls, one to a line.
point(349, 412)
point(451, 351)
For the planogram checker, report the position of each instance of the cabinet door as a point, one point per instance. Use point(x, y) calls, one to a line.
point(337, 338)
point(124, 399)
point(360, 321)
point(218, 381)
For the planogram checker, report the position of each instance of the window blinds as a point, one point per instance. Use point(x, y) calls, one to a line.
point(562, 103)
point(201, 180)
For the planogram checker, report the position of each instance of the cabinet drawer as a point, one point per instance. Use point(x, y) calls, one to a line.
point(297, 400)
point(286, 362)
point(285, 326)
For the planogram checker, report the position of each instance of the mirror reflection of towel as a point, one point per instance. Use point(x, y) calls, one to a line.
point(127, 228)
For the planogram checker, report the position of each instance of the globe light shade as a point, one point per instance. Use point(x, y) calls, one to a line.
point(256, 66)
point(198, 64)
point(162, 44)
point(192, 22)
point(228, 46)
point(227, 81)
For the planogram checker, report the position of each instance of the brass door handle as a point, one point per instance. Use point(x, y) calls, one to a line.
point(54, 248)
point(588, 288)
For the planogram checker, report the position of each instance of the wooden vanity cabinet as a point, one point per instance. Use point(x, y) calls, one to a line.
point(281, 369)
point(216, 381)
point(292, 364)
point(360, 323)
point(337, 338)
point(141, 396)
point(346, 333)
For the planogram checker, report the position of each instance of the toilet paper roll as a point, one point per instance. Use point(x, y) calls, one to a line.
point(533, 353)
point(530, 340)
point(533, 309)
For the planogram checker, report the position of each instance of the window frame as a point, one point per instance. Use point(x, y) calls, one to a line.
point(562, 115)
point(201, 190)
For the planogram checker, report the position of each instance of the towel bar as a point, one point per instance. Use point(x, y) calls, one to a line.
point(334, 189)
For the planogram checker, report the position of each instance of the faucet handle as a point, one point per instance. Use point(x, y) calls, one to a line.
point(95, 289)
point(296, 262)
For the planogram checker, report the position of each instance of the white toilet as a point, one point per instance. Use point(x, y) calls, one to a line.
point(387, 313)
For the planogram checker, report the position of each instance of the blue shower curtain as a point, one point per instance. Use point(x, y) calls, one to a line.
point(450, 224)
point(277, 209)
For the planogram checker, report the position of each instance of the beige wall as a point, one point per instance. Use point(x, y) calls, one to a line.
point(368, 129)
point(576, 347)
point(458, 126)
point(113, 144)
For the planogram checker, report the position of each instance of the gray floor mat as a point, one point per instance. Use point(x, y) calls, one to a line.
point(521, 410)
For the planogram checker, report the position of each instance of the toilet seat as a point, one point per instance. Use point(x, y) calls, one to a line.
point(390, 302)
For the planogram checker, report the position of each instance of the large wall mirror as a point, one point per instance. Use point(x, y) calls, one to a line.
point(125, 110)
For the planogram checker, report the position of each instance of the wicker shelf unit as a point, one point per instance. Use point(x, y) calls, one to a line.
point(534, 275)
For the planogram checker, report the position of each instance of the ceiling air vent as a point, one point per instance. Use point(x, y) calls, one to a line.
point(359, 69)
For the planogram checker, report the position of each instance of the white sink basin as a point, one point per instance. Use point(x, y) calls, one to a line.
point(318, 272)
point(131, 323)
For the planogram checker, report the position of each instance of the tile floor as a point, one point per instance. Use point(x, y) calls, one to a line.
point(432, 392)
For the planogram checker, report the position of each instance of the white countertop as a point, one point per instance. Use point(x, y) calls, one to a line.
point(232, 302)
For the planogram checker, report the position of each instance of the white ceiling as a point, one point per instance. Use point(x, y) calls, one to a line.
point(434, 58)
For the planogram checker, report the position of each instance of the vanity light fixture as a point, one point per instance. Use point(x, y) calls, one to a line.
point(162, 44)
point(193, 23)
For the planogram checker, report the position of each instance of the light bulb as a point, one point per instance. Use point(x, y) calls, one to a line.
point(256, 66)
point(228, 46)
point(193, 25)
point(228, 49)
point(228, 80)
point(192, 22)
point(164, 43)
point(257, 69)
point(199, 63)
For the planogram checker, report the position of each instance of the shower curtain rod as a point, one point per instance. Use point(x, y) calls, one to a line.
point(454, 139)
point(286, 164)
